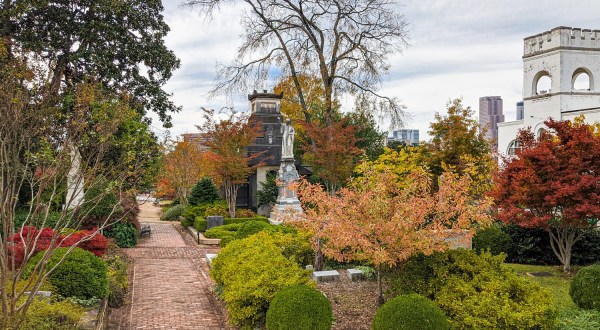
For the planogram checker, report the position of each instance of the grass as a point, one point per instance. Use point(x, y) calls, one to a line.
point(569, 315)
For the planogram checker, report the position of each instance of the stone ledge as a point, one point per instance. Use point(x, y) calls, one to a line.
point(200, 239)
point(326, 276)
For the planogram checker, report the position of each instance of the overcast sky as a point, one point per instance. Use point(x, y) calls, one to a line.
point(458, 48)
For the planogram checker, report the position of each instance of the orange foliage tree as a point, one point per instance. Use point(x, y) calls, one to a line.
point(228, 140)
point(182, 168)
point(384, 223)
point(332, 152)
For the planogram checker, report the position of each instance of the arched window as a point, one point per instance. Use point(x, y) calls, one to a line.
point(582, 80)
point(513, 146)
point(543, 83)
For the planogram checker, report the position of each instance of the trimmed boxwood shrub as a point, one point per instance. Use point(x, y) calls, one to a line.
point(476, 291)
point(299, 307)
point(81, 274)
point(250, 272)
point(200, 223)
point(585, 288)
point(494, 240)
point(173, 212)
point(410, 312)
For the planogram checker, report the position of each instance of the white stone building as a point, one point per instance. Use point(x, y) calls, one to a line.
point(561, 79)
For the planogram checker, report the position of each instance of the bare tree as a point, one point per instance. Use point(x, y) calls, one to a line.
point(346, 43)
point(37, 139)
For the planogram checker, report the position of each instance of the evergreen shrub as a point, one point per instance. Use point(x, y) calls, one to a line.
point(476, 291)
point(585, 288)
point(299, 308)
point(204, 192)
point(410, 312)
point(250, 272)
point(173, 212)
point(124, 234)
point(81, 274)
point(494, 240)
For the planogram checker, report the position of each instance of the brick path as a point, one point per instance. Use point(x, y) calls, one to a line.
point(171, 288)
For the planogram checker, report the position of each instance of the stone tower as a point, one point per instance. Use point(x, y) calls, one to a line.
point(561, 79)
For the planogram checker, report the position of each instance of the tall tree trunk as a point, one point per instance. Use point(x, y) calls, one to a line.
point(319, 263)
point(562, 242)
point(380, 299)
point(231, 196)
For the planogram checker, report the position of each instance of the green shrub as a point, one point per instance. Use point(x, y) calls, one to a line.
point(185, 222)
point(118, 282)
point(124, 234)
point(585, 288)
point(193, 211)
point(225, 233)
point(173, 212)
point(251, 271)
point(299, 308)
point(269, 191)
point(43, 314)
point(252, 227)
point(227, 221)
point(200, 223)
point(476, 291)
point(410, 312)
point(244, 213)
point(81, 274)
point(494, 240)
point(217, 209)
point(100, 201)
point(204, 192)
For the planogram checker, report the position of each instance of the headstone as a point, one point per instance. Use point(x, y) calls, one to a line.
point(355, 274)
point(213, 221)
point(326, 276)
point(309, 267)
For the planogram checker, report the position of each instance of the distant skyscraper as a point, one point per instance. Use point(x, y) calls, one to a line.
point(408, 136)
point(520, 110)
point(490, 114)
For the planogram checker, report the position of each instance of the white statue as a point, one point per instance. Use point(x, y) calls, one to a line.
point(287, 143)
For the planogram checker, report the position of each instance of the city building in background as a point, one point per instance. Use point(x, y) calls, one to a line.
point(410, 137)
point(520, 110)
point(490, 114)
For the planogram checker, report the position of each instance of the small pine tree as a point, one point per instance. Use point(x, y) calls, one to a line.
point(204, 192)
point(269, 191)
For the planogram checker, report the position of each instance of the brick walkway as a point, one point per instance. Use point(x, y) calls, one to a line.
point(171, 288)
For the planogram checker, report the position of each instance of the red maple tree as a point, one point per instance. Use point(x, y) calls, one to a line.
point(230, 164)
point(553, 183)
point(331, 151)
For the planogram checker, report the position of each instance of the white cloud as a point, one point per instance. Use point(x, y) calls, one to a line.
point(468, 48)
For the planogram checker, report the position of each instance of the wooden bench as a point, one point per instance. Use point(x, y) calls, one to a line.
point(145, 230)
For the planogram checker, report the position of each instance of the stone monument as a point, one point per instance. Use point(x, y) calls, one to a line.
point(287, 202)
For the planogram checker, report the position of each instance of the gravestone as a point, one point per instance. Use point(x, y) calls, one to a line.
point(326, 276)
point(213, 221)
point(355, 274)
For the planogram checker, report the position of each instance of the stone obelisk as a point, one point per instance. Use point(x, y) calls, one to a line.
point(287, 203)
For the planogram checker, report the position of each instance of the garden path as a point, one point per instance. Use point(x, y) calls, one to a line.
point(170, 286)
